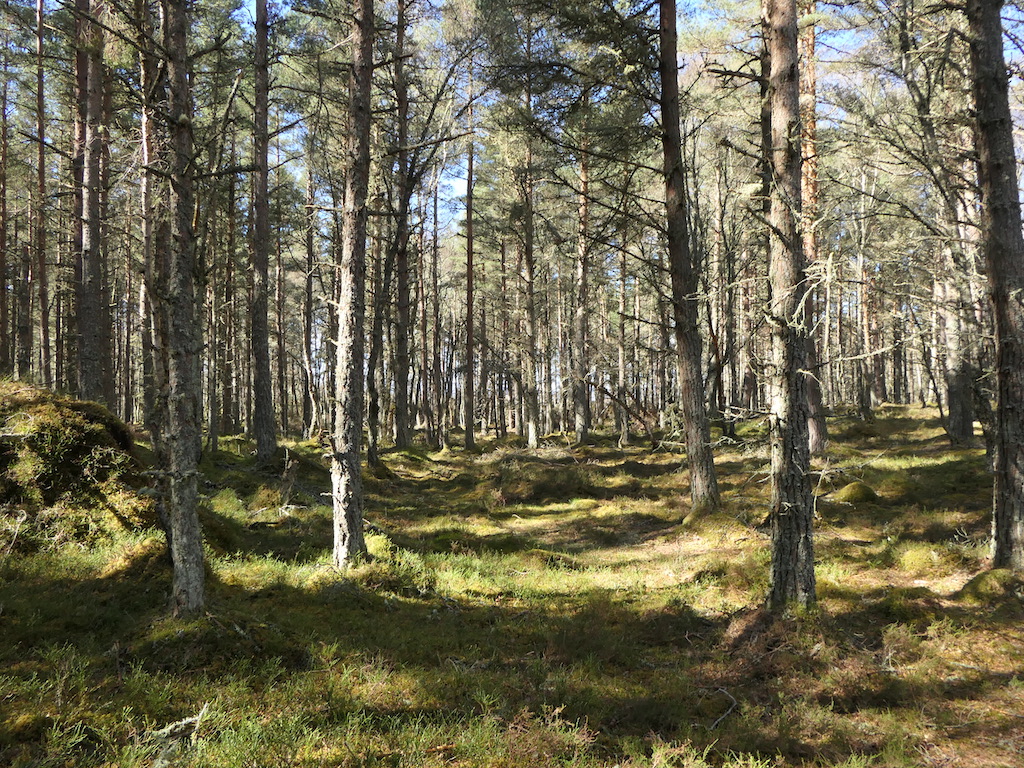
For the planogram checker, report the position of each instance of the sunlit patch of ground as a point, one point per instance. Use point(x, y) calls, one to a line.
point(534, 609)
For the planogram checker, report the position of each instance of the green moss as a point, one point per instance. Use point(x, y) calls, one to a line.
point(856, 493)
point(63, 458)
point(989, 586)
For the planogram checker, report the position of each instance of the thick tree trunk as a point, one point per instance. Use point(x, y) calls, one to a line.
point(704, 493)
point(262, 383)
point(346, 478)
point(792, 507)
point(1004, 257)
point(183, 421)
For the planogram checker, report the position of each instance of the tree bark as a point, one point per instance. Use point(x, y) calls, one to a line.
point(23, 299)
point(262, 384)
point(42, 273)
point(704, 494)
point(310, 415)
point(580, 392)
point(183, 419)
point(440, 391)
point(1003, 249)
point(6, 367)
point(817, 428)
point(346, 479)
point(94, 371)
point(792, 505)
point(404, 192)
point(468, 394)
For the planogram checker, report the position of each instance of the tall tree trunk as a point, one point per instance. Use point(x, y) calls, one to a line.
point(704, 495)
point(346, 480)
point(426, 411)
point(468, 395)
point(403, 428)
point(440, 391)
point(383, 273)
point(310, 420)
point(42, 273)
point(792, 506)
point(262, 383)
point(183, 419)
point(531, 399)
point(580, 391)
point(229, 373)
point(94, 360)
point(1003, 249)
point(279, 331)
point(23, 297)
point(817, 428)
point(6, 367)
point(622, 382)
point(147, 77)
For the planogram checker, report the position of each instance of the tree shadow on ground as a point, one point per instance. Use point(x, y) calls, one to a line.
point(747, 682)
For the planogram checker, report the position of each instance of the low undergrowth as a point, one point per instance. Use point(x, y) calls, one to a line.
point(533, 609)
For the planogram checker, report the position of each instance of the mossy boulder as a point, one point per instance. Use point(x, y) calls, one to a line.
point(856, 493)
point(67, 467)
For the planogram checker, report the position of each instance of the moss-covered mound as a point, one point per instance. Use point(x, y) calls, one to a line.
point(67, 468)
point(856, 493)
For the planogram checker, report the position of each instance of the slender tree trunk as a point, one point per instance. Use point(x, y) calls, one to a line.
point(792, 507)
point(580, 391)
point(440, 391)
point(6, 367)
point(310, 421)
point(279, 331)
point(817, 428)
point(381, 291)
point(346, 480)
point(42, 273)
point(23, 297)
point(263, 397)
point(1003, 249)
point(704, 493)
point(229, 387)
point(622, 381)
point(425, 409)
point(468, 395)
point(403, 326)
point(147, 79)
point(531, 400)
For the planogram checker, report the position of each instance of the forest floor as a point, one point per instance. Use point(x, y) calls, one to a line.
point(544, 608)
